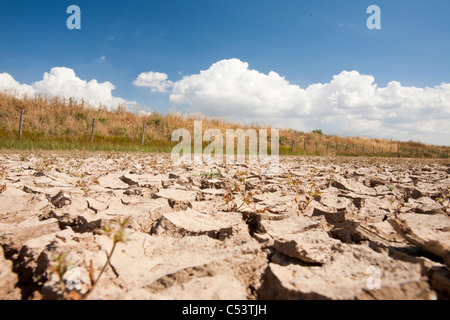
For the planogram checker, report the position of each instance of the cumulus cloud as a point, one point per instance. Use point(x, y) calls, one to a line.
point(156, 81)
point(8, 83)
point(350, 104)
point(63, 82)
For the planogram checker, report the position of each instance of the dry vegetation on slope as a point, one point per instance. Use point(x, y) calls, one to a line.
point(66, 124)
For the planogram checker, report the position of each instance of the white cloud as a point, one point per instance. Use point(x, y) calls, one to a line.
point(63, 82)
point(228, 87)
point(155, 80)
point(143, 113)
point(350, 104)
point(8, 83)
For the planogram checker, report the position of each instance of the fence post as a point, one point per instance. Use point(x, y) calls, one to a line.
point(93, 129)
point(292, 145)
point(304, 146)
point(143, 134)
point(326, 152)
point(20, 124)
point(316, 146)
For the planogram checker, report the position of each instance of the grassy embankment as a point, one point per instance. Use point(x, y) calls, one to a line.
point(59, 124)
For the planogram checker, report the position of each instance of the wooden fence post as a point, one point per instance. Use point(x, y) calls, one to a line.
point(20, 124)
point(143, 134)
point(316, 146)
point(93, 129)
point(292, 145)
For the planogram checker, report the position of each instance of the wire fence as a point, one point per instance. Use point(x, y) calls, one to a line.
point(320, 148)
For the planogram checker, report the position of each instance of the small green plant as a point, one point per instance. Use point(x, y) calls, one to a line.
point(211, 174)
point(228, 197)
point(390, 187)
point(84, 184)
point(45, 165)
point(115, 231)
point(61, 265)
point(241, 189)
point(309, 196)
point(444, 202)
point(313, 193)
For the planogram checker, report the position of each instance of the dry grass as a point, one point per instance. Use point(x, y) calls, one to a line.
point(66, 124)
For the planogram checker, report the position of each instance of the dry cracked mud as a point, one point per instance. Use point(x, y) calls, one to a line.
point(320, 228)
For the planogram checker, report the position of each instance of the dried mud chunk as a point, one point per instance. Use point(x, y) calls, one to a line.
point(8, 280)
point(418, 232)
point(60, 200)
point(312, 246)
point(192, 223)
point(344, 277)
point(128, 180)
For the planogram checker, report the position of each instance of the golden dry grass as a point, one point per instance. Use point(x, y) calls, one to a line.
point(66, 124)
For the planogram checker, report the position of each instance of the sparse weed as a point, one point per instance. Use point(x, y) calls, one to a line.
point(45, 165)
point(331, 178)
point(115, 231)
point(62, 264)
point(241, 189)
point(3, 171)
point(211, 174)
point(309, 196)
point(396, 205)
point(390, 187)
point(445, 203)
point(155, 166)
point(313, 193)
point(85, 183)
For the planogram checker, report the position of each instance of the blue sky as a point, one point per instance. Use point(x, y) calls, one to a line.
point(307, 42)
